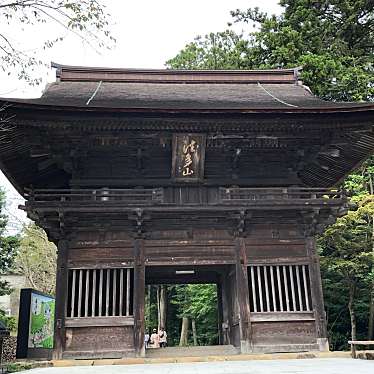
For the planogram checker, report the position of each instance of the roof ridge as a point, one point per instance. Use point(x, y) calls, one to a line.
point(96, 74)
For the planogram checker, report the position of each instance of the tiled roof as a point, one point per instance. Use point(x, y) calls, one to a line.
point(279, 89)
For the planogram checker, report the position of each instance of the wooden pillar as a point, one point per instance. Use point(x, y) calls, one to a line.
point(61, 297)
point(139, 297)
point(317, 294)
point(243, 295)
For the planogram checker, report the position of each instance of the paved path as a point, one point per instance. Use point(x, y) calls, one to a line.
point(306, 366)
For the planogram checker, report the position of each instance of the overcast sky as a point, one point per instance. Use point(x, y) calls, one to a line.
point(148, 33)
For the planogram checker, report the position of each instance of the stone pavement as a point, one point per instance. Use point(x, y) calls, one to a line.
point(304, 366)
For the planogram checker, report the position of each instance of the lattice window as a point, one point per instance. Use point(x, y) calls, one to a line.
point(279, 288)
point(100, 292)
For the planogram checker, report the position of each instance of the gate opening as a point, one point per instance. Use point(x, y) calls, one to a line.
point(185, 301)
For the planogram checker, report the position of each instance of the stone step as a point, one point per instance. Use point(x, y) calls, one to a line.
point(192, 351)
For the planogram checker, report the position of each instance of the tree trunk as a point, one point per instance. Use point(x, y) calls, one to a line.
point(183, 341)
point(194, 334)
point(158, 307)
point(352, 314)
point(371, 315)
point(371, 302)
point(163, 305)
point(148, 308)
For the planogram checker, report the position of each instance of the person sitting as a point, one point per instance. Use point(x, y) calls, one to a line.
point(155, 339)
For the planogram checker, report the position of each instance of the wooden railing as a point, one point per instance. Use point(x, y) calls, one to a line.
point(237, 195)
point(135, 196)
point(222, 196)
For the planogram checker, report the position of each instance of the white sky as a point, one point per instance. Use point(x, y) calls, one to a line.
point(148, 33)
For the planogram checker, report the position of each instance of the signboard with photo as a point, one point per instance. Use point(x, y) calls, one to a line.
point(42, 311)
point(35, 325)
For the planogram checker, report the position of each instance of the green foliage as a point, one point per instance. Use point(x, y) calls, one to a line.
point(18, 366)
point(8, 250)
point(8, 247)
point(221, 50)
point(347, 245)
point(195, 301)
point(332, 39)
point(10, 322)
point(199, 302)
point(347, 261)
point(86, 19)
point(34, 246)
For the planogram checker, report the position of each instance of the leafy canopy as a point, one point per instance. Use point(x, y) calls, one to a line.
point(86, 19)
point(36, 259)
point(332, 39)
point(8, 247)
point(198, 302)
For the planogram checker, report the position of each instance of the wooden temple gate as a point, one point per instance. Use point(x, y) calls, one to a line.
point(172, 176)
point(264, 264)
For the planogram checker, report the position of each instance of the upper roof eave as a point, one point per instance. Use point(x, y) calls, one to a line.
point(30, 104)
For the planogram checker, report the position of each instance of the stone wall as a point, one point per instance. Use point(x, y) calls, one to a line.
point(10, 303)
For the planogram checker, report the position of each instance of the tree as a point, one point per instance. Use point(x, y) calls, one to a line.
point(36, 259)
point(8, 251)
point(221, 50)
point(161, 305)
point(332, 39)
point(197, 303)
point(347, 258)
point(360, 185)
point(86, 19)
point(8, 247)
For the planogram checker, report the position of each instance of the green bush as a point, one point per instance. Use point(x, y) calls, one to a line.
point(18, 366)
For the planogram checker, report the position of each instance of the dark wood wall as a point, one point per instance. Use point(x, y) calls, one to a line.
point(265, 244)
point(133, 158)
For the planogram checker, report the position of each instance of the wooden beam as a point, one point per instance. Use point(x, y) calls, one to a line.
point(282, 317)
point(93, 305)
point(317, 293)
point(114, 301)
point(305, 281)
point(86, 292)
point(285, 284)
point(266, 288)
point(121, 295)
point(301, 308)
point(128, 290)
point(243, 296)
point(80, 293)
point(61, 297)
point(103, 321)
point(280, 294)
point(292, 288)
point(253, 284)
point(139, 296)
point(74, 275)
point(107, 274)
point(101, 293)
point(271, 267)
